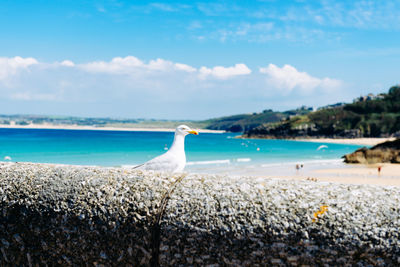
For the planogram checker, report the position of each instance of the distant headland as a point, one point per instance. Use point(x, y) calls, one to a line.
point(369, 116)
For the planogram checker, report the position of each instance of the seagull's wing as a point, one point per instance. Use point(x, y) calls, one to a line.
point(165, 162)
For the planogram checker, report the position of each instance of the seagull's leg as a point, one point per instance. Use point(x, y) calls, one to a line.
point(156, 224)
point(138, 166)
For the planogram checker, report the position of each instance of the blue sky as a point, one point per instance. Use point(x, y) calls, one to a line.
point(193, 59)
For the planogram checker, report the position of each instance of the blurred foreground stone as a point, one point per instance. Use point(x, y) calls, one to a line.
point(92, 216)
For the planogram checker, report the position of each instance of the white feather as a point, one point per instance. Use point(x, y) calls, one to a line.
point(174, 160)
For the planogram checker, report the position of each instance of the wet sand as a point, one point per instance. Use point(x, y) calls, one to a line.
point(353, 141)
point(329, 171)
point(351, 174)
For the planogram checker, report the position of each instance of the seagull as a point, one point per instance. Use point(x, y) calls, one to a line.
point(174, 160)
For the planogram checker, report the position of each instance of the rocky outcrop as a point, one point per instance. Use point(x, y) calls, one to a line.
point(387, 152)
point(89, 216)
point(283, 131)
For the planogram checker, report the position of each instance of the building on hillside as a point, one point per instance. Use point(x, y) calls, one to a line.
point(337, 105)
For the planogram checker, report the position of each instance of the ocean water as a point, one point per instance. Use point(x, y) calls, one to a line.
point(207, 152)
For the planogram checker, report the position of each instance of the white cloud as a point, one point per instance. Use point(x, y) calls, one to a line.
point(131, 64)
point(163, 7)
point(184, 67)
point(223, 72)
point(157, 88)
point(10, 66)
point(322, 21)
point(159, 64)
point(363, 14)
point(117, 65)
point(289, 78)
point(67, 63)
point(28, 96)
point(265, 33)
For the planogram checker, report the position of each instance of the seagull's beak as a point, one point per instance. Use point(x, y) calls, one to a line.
point(193, 132)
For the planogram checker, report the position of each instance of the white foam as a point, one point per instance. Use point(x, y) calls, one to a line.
point(128, 166)
point(322, 146)
point(320, 162)
point(206, 162)
point(243, 159)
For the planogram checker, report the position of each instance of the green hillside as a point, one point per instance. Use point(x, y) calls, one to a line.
point(245, 122)
point(371, 116)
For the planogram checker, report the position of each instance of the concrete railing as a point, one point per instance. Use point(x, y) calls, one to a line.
point(70, 215)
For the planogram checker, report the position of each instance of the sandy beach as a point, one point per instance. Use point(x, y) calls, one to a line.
point(336, 172)
point(353, 141)
point(352, 174)
point(362, 174)
point(357, 173)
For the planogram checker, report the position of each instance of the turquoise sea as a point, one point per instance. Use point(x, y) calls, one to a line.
point(207, 152)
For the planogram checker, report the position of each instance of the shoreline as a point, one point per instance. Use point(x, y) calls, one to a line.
point(364, 141)
point(94, 128)
point(332, 172)
point(357, 174)
point(367, 141)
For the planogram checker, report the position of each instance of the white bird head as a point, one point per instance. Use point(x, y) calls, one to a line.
point(185, 130)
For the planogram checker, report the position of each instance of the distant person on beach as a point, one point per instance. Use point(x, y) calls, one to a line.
point(379, 170)
point(299, 166)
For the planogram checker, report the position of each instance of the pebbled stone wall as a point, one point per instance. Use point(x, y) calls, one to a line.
point(91, 216)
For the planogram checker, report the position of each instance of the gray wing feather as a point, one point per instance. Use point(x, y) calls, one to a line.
point(160, 163)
